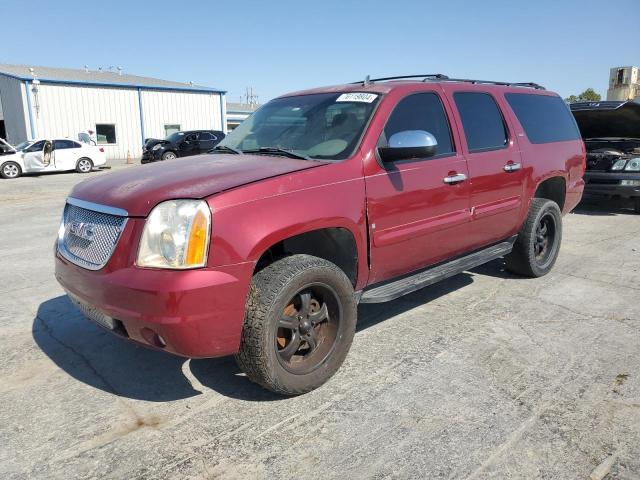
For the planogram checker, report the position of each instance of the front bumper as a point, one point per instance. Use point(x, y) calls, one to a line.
point(196, 313)
point(149, 156)
point(610, 184)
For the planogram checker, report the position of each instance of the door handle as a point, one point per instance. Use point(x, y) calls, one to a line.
point(457, 178)
point(512, 167)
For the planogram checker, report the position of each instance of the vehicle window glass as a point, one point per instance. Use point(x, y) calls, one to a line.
point(62, 144)
point(36, 147)
point(106, 133)
point(545, 119)
point(323, 125)
point(482, 121)
point(422, 111)
point(191, 138)
point(175, 137)
point(205, 136)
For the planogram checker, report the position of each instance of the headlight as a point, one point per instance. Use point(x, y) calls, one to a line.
point(157, 146)
point(176, 235)
point(633, 165)
point(619, 165)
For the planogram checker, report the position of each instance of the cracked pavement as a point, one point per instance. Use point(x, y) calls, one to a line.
point(485, 375)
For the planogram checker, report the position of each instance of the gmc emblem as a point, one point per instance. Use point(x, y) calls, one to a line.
point(86, 231)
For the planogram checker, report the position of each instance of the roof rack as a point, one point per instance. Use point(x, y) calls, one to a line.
point(441, 77)
point(426, 76)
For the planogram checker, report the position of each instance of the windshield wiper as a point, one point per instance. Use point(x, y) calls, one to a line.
point(225, 148)
point(283, 151)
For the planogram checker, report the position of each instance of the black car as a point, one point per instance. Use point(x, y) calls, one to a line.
point(611, 131)
point(180, 144)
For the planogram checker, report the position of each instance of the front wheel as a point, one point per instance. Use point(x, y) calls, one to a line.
point(299, 324)
point(10, 170)
point(84, 165)
point(168, 156)
point(538, 244)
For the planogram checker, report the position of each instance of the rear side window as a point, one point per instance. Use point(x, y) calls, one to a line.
point(482, 121)
point(62, 144)
point(545, 119)
point(422, 111)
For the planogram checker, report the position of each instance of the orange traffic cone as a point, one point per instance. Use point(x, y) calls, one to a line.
point(129, 159)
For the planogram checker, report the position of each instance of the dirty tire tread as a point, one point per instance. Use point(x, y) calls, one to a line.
point(521, 260)
point(264, 293)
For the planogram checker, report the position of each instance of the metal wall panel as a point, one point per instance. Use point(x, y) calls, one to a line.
point(192, 111)
point(14, 106)
point(66, 110)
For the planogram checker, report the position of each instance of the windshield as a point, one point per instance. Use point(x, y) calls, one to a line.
point(22, 146)
point(322, 126)
point(174, 137)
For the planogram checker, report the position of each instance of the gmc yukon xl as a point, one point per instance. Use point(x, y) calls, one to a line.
point(320, 200)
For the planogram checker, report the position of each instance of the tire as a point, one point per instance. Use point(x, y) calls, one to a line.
point(276, 320)
point(84, 165)
point(538, 244)
point(168, 156)
point(10, 170)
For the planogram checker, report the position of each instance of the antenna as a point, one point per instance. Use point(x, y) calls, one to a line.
point(367, 81)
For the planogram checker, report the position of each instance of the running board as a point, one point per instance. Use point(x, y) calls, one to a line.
point(398, 288)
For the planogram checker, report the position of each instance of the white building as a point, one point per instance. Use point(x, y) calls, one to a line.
point(238, 112)
point(122, 109)
point(624, 83)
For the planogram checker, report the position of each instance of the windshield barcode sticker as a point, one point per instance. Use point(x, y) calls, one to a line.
point(357, 97)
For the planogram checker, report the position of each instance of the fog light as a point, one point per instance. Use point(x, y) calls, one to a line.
point(630, 183)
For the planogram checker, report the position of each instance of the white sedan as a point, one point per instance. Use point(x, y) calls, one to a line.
point(50, 155)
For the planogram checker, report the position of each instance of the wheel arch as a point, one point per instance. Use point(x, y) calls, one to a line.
point(336, 244)
point(552, 188)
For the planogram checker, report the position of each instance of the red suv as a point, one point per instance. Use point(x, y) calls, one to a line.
point(320, 200)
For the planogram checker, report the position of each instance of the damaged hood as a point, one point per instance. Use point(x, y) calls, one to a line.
point(137, 190)
point(607, 119)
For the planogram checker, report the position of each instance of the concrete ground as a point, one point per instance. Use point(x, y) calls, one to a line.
point(483, 376)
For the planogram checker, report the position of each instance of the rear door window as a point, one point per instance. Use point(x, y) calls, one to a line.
point(482, 121)
point(422, 111)
point(545, 118)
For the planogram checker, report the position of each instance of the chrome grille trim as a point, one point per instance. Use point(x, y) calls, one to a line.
point(96, 207)
point(89, 233)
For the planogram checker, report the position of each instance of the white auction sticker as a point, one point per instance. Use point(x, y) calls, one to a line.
point(357, 97)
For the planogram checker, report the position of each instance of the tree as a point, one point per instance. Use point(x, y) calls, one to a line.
point(589, 95)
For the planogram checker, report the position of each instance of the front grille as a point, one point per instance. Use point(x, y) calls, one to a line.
point(88, 237)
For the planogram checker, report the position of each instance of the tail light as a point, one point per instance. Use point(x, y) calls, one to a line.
point(102, 149)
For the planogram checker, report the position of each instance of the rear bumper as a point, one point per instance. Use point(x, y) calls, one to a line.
point(610, 184)
point(197, 313)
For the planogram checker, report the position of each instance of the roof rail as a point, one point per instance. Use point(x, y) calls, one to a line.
point(440, 77)
point(368, 80)
point(493, 82)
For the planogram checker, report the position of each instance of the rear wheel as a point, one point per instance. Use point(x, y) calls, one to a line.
point(299, 324)
point(538, 244)
point(168, 156)
point(10, 170)
point(84, 165)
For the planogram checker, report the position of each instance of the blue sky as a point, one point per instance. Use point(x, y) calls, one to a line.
point(279, 46)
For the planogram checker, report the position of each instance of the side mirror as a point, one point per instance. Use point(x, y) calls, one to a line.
point(409, 144)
